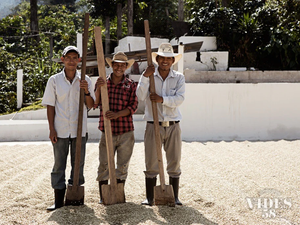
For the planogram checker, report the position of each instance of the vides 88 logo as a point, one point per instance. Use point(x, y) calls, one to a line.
point(270, 202)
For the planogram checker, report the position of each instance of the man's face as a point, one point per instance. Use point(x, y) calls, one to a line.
point(165, 63)
point(71, 60)
point(119, 68)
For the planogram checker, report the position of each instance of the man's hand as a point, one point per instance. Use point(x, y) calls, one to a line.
point(84, 85)
point(53, 136)
point(111, 115)
point(100, 82)
point(149, 71)
point(156, 98)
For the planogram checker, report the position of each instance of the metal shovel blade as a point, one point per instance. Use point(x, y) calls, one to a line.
point(164, 196)
point(75, 195)
point(113, 194)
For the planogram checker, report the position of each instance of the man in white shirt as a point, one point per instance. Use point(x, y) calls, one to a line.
point(61, 98)
point(170, 89)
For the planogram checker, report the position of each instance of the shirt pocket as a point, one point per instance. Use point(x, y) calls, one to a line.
point(124, 97)
point(172, 92)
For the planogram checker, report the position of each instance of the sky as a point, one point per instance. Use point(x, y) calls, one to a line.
point(6, 5)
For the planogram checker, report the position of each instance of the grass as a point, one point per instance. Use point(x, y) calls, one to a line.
point(34, 106)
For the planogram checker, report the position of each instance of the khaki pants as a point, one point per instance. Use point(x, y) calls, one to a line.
point(123, 147)
point(171, 141)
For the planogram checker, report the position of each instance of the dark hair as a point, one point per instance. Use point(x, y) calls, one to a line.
point(112, 63)
point(163, 57)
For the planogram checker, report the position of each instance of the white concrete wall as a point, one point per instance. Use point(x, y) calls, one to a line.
point(263, 111)
point(205, 63)
point(131, 43)
point(38, 130)
point(208, 50)
point(209, 42)
point(228, 111)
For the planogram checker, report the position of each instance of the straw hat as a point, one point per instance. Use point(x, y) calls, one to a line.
point(166, 50)
point(121, 58)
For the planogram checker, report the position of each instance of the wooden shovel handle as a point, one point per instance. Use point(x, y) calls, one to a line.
point(105, 107)
point(154, 108)
point(81, 102)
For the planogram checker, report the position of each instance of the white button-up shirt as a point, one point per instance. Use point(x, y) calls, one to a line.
point(172, 90)
point(64, 96)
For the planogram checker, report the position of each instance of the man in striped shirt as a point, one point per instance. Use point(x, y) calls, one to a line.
point(122, 104)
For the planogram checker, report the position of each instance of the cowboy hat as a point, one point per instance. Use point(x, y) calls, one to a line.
point(166, 50)
point(121, 58)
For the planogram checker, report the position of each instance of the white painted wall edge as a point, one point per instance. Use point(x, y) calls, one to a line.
point(211, 112)
point(264, 111)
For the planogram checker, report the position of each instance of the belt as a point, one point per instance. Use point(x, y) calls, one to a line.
point(165, 123)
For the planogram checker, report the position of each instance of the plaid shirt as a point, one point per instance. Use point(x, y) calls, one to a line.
point(121, 96)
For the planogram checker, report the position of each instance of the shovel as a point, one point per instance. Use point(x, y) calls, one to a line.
point(75, 192)
point(114, 192)
point(163, 194)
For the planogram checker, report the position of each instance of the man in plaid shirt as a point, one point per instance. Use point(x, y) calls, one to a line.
point(122, 104)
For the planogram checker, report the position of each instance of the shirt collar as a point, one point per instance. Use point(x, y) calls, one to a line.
point(171, 73)
point(122, 81)
point(76, 75)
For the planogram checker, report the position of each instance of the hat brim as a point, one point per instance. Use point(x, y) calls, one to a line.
point(129, 62)
point(176, 56)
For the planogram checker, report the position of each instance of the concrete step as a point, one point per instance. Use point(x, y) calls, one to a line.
point(33, 126)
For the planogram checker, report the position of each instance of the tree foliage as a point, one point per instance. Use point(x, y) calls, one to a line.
point(257, 34)
point(17, 50)
point(261, 34)
point(160, 14)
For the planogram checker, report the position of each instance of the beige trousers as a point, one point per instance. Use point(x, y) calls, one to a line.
point(171, 142)
point(123, 147)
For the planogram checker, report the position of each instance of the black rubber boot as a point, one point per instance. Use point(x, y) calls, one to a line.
point(121, 181)
point(100, 189)
point(59, 195)
point(150, 183)
point(175, 183)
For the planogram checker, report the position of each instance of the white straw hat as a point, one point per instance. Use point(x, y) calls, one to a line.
point(120, 57)
point(166, 50)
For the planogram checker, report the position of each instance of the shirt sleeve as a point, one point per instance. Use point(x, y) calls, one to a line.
point(177, 98)
point(133, 101)
point(90, 87)
point(143, 88)
point(49, 97)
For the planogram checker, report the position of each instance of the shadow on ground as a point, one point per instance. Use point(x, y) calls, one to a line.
point(75, 215)
point(130, 213)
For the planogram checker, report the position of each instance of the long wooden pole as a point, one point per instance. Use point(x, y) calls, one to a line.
point(81, 102)
point(105, 108)
point(154, 109)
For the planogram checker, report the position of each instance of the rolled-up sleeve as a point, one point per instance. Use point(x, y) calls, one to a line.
point(50, 93)
point(142, 90)
point(133, 100)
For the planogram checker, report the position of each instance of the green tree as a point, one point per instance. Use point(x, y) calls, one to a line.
point(70, 4)
point(34, 24)
point(160, 14)
point(256, 33)
point(107, 11)
point(17, 52)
